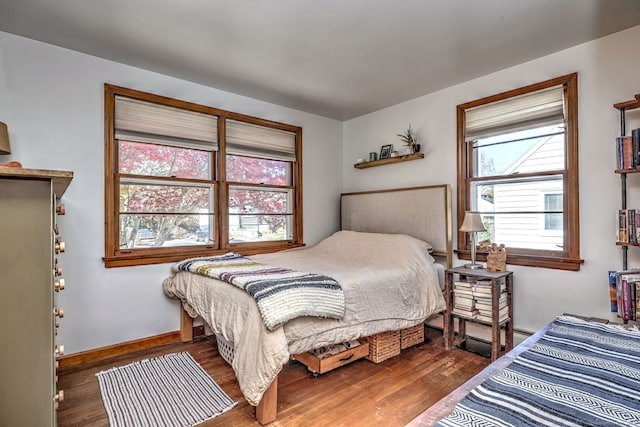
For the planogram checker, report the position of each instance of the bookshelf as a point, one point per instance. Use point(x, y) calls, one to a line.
point(497, 293)
point(623, 107)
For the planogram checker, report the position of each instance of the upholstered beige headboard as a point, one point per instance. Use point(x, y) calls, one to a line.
point(421, 212)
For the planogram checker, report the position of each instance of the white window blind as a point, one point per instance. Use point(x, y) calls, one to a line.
point(544, 107)
point(246, 139)
point(141, 121)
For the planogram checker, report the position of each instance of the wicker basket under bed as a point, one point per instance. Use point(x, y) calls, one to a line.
point(411, 336)
point(383, 346)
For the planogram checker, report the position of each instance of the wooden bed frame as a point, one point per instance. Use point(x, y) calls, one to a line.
point(421, 212)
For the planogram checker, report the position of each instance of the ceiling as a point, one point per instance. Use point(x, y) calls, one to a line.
point(336, 58)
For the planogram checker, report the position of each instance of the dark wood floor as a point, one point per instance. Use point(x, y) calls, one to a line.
point(390, 393)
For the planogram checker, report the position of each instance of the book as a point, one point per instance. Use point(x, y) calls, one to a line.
point(619, 153)
point(469, 314)
point(623, 236)
point(626, 295)
point(462, 284)
point(625, 282)
point(619, 295)
point(637, 299)
point(635, 141)
point(488, 307)
point(488, 318)
point(637, 227)
point(463, 292)
point(631, 226)
point(486, 298)
point(629, 284)
point(462, 302)
point(486, 311)
point(486, 288)
point(627, 152)
point(613, 299)
point(634, 300)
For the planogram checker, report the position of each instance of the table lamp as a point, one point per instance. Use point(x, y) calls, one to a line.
point(472, 224)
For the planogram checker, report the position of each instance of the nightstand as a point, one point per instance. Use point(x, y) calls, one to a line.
point(494, 290)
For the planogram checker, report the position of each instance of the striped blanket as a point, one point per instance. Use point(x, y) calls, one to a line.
point(578, 374)
point(281, 294)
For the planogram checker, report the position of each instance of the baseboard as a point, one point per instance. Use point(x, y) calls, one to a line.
point(103, 353)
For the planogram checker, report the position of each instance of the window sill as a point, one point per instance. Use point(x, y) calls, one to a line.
point(133, 259)
point(556, 262)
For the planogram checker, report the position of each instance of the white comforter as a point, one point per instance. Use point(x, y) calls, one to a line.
point(389, 281)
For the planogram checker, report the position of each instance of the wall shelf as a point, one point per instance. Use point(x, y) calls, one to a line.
point(628, 105)
point(627, 170)
point(405, 158)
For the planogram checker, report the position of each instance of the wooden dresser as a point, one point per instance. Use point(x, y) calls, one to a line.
point(30, 276)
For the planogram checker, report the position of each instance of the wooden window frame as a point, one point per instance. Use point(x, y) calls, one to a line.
point(116, 257)
point(569, 257)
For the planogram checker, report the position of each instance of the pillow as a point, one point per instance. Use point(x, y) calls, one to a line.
point(388, 246)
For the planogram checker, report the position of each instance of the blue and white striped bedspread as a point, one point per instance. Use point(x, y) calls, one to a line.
point(281, 294)
point(578, 374)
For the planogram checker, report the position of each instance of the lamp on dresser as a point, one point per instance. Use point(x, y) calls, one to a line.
point(471, 224)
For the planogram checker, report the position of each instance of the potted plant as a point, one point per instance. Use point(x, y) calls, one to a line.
point(410, 140)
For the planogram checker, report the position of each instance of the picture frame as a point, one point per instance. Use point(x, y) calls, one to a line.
point(385, 151)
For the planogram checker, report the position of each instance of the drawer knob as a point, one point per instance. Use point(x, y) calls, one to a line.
point(61, 210)
point(59, 245)
point(56, 229)
point(59, 285)
point(57, 271)
point(57, 398)
point(59, 350)
point(58, 312)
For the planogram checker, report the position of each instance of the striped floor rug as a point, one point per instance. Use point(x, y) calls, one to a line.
point(578, 373)
point(171, 391)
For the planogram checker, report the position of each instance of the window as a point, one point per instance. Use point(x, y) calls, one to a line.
point(518, 167)
point(260, 189)
point(553, 220)
point(186, 180)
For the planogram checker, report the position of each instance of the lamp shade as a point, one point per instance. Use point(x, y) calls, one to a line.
point(472, 222)
point(5, 148)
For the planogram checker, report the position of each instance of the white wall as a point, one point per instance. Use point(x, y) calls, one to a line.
point(608, 72)
point(52, 101)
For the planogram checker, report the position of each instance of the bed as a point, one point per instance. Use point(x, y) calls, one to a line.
point(412, 229)
point(573, 372)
